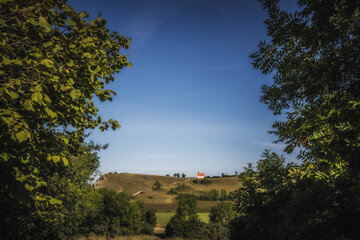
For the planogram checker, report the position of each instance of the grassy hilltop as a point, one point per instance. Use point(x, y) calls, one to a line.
point(160, 199)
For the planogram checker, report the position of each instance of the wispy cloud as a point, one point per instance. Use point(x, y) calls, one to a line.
point(158, 156)
point(146, 21)
point(270, 144)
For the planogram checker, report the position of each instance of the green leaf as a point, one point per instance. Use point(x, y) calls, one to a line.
point(37, 96)
point(70, 22)
point(66, 141)
point(38, 88)
point(13, 95)
point(115, 125)
point(97, 69)
point(4, 156)
point(48, 44)
point(22, 135)
point(50, 113)
point(39, 198)
point(44, 24)
point(65, 161)
point(55, 78)
point(28, 187)
point(46, 98)
point(6, 61)
point(33, 22)
point(55, 158)
point(88, 55)
point(64, 88)
point(48, 63)
point(54, 201)
point(70, 63)
point(74, 94)
point(28, 105)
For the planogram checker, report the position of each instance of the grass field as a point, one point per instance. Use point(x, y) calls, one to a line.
point(159, 199)
point(164, 217)
point(202, 206)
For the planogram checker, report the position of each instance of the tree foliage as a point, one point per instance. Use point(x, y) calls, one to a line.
point(157, 185)
point(222, 213)
point(55, 63)
point(185, 223)
point(272, 204)
point(313, 56)
point(118, 216)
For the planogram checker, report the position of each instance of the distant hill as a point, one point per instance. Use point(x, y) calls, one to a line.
point(140, 187)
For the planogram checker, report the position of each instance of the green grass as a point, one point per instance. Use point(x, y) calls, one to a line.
point(164, 217)
point(163, 207)
point(202, 206)
point(204, 217)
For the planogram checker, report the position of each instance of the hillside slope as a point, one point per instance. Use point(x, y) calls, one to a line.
point(141, 185)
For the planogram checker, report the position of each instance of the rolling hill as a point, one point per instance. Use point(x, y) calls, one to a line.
point(140, 187)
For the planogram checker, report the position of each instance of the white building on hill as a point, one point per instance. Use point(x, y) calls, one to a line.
point(201, 175)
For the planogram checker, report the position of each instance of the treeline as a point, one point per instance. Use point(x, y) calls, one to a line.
point(224, 175)
point(187, 225)
point(215, 195)
point(183, 175)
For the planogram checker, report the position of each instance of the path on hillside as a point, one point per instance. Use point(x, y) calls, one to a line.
point(136, 193)
point(178, 182)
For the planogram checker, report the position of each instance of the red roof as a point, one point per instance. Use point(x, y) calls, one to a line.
point(201, 174)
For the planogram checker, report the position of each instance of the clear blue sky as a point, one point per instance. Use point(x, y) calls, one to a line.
point(191, 100)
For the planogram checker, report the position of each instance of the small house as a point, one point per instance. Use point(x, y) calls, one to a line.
point(201, 175)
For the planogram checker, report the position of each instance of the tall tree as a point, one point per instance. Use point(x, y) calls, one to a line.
point(185, 223)
point(54, 63)
point(313, 56)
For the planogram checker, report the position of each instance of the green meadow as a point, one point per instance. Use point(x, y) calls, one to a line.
point(164, 217)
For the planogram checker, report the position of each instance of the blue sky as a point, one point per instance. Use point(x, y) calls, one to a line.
point(191, 100)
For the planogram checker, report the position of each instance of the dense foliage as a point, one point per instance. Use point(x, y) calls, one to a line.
point(215, 195)
point(274, 205)
point(118, 216)
point(54, 63)
point(222, 213)
point(185, 223)
point(313, 56)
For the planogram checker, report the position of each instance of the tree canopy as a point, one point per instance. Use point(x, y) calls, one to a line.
point(55, 64)
point(313, 56)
